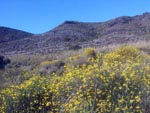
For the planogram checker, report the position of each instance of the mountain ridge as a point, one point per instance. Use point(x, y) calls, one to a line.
point(73, 33)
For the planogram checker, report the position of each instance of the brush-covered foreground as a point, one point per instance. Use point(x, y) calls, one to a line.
point(115, 82)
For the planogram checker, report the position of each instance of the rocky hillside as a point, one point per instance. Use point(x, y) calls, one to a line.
point(73, 34)
point(9, 34)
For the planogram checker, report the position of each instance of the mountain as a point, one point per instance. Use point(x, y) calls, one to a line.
point(9, 34)
point(72, 34)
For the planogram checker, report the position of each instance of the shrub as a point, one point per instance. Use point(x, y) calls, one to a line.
point(49, 67)
point(90, 52)
point(30, 96)
point(3, 61)
point(78, 61)
point(124, 54)
point(113, 83)
point(75, 47)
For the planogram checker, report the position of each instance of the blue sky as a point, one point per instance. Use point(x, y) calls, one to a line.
point(38, 16)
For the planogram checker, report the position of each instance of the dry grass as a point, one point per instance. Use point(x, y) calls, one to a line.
point(34, 60)
point(141, 45)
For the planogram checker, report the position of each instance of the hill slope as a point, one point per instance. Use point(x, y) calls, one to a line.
point(72, 33)
point(9, 34)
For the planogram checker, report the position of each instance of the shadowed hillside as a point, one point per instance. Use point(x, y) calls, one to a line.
point(9, 34)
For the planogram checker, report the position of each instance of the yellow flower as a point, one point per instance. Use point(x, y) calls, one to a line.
point(137, 98)
point(48, 104)
point(117, 109)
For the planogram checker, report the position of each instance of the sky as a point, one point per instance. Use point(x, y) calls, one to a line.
point(38, 16)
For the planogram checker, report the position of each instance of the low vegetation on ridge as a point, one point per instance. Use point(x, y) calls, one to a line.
point(92, 82)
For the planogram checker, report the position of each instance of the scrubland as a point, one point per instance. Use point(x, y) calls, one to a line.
point(113, 79)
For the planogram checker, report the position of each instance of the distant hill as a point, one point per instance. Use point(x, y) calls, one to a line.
point(9, 34)
point(7, 38)
point(71, 34)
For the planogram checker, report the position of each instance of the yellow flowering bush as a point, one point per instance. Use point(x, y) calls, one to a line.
point(90, 52)
point(124, 54)
point(116, 82)
point(29, 96)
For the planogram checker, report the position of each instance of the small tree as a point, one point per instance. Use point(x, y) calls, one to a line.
point(3, 61)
